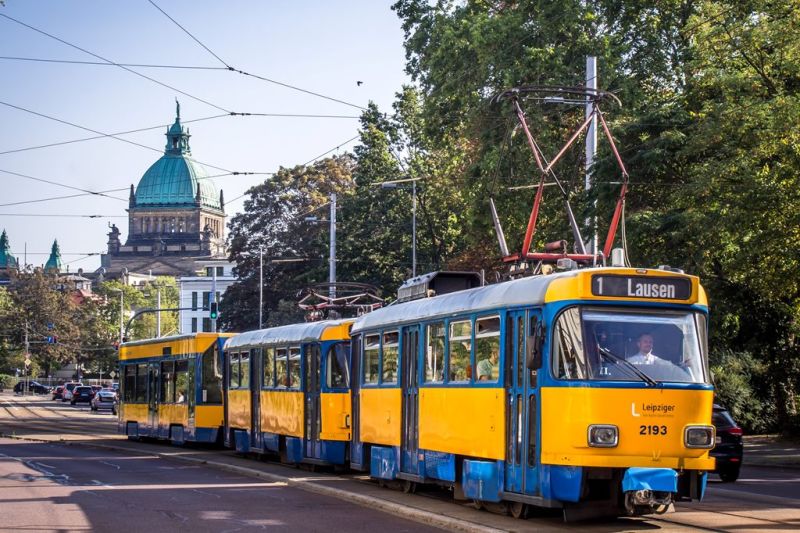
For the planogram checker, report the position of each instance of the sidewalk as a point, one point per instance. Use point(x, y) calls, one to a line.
point(771, 450)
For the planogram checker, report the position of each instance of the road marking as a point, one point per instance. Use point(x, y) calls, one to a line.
point(110, 464)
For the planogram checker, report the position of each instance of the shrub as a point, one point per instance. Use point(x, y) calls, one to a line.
point(741, 386)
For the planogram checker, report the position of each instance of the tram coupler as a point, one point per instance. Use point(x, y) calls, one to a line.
point(649, 490)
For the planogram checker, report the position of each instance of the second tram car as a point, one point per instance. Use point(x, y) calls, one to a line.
point(586, 390)
point(171, 388)
point(287, 391)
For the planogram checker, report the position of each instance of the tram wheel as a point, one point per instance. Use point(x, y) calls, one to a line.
point(518, 510)
point(477, 504)
point(409, 487)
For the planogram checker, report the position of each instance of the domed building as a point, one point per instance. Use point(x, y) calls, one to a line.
point(175, 216)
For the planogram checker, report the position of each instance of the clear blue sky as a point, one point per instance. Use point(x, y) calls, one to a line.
point(324, 47)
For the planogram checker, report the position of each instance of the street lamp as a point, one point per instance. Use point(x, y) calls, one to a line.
point(393, 184)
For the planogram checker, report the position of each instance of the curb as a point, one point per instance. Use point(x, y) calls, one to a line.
point(417, 515)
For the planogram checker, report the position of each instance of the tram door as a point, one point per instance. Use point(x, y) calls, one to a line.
point(520, 385)
point(356, 448)
point(409, 461)
point(152, 397)
point(312, 410)
point(256, 377)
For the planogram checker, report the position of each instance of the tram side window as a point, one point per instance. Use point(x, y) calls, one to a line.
point(212, 376)
point(460, 350)
point(337, 366)
point(167, 382)
point(434, 353)
point(244, 370)
point(487, 348)
point(182, 381)
point(129, 393)
point(281, 367)
point(141, 383)
point(390, 350)
point(233, 371)
point(372, 344)
point(269, 367)
point(294, 367)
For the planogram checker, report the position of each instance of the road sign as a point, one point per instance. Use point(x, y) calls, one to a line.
point(27, 363)
point(112, 373)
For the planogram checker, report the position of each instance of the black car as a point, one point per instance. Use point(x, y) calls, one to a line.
point(83, 393)
point(729, 449)
point(33, 386)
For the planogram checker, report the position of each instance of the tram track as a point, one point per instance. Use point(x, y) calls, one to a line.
point(723, 509)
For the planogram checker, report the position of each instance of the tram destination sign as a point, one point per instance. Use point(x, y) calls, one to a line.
point(660, 288)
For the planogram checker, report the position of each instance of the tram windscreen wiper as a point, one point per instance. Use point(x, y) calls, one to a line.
point(617, 359)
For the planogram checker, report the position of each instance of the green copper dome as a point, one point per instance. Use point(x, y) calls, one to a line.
point(176, 179)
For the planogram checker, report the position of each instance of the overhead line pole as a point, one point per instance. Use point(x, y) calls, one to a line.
point(591, 146)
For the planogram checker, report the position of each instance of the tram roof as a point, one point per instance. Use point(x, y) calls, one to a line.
point(172, 338)
point(519, 292)
point(523, 291)
point(293, 333)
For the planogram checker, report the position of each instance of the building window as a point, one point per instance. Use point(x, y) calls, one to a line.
point(194, 300)
point(209, 271)
point(220, 271)
point(194, 324)
point(206, 324)
point(206, 300)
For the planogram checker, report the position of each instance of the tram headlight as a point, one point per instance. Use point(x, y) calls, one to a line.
point(603, 435)
point(699, 436)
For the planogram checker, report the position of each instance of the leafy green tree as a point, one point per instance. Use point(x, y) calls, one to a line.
point(294, 249)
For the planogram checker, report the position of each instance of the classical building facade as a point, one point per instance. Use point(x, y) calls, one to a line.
point(175, 216)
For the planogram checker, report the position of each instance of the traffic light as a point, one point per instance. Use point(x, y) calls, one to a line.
point(214, 312)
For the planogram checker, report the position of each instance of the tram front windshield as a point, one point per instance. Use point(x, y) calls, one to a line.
point(600, 344)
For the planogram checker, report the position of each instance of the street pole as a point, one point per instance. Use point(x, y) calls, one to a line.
point(214, 297)
point(591, 145)
point(158, 315)
point(332, 260)
point(260, 288)
point(27, 359)
point(121, 312)
point(413, 229)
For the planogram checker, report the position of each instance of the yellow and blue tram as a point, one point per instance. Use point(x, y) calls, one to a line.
point(582, 389)
point(287, 392)
point(171, 388)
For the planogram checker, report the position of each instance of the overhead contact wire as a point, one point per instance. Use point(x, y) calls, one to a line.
point(114, 63)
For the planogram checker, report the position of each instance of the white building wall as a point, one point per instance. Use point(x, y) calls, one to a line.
point(191, 319)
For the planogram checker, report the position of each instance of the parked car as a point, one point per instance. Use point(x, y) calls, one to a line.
point(68, 388)
point(33, 386)
point(58, 392)
point(729, 449)
point(95, 388)
point(82, 393)
point(105, 399)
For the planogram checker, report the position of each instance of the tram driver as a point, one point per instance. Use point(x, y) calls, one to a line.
point(645, 355)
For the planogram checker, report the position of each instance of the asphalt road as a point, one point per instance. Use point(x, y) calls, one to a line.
point(49, 486)
point(764, 499)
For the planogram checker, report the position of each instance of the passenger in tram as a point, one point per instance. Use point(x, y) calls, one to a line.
point(486, 366)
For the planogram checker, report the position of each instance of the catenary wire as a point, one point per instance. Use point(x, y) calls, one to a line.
point(60, 184)
point(113, 63)
point(187, 32)
point(61, 143)
point(262, 78)
point(64, 197)
point(101, 64)
point(98, 132)
point(56, 215)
